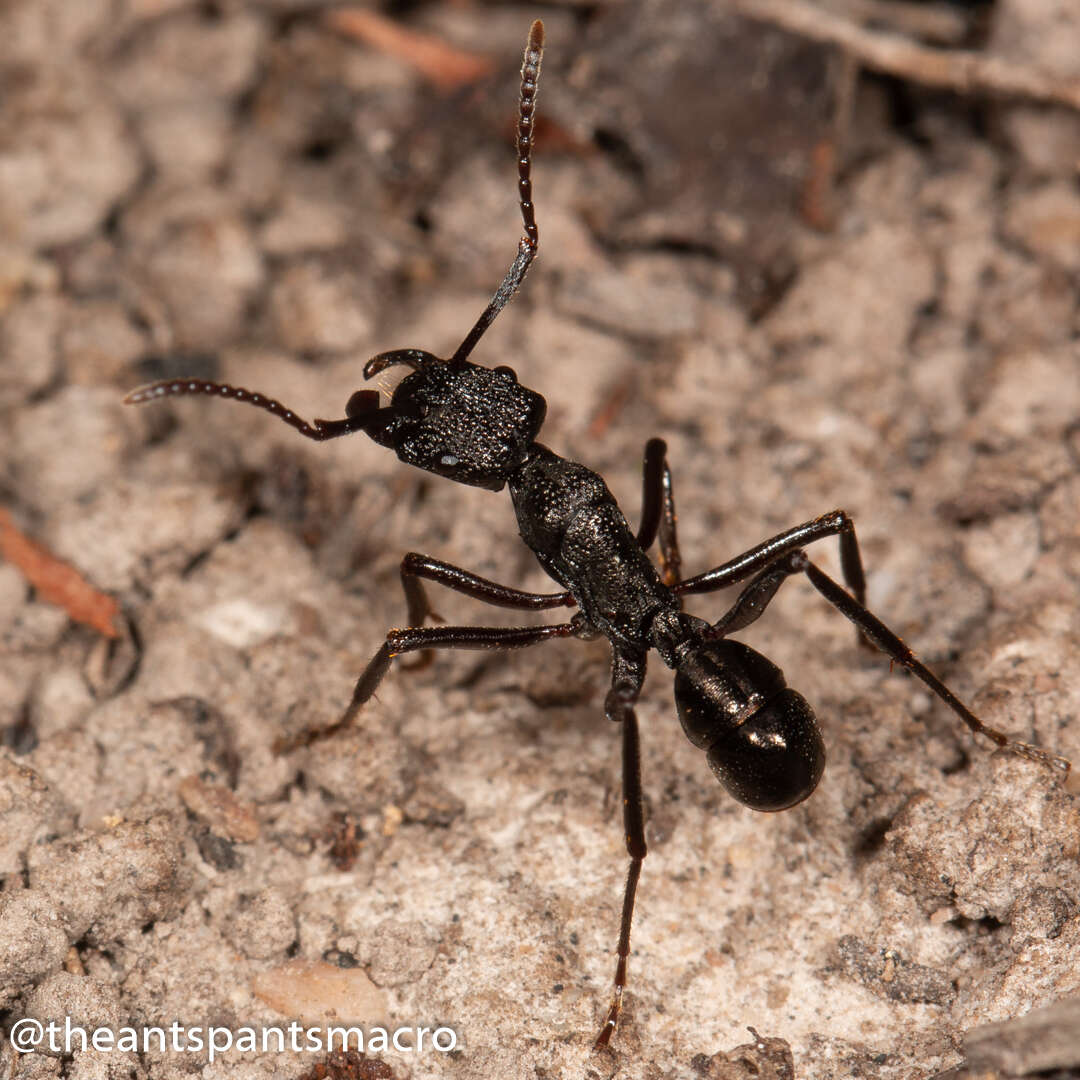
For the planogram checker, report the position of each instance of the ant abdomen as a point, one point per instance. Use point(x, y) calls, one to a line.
point(762, 740)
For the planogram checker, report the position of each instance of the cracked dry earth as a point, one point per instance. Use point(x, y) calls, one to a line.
point(235, 191)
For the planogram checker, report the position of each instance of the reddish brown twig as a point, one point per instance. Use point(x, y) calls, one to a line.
point(55, 581)
point(441, 63)
point(951, 69)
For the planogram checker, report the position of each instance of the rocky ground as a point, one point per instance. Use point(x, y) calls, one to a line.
point(823, 289)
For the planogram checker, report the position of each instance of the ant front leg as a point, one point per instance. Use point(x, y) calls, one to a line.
point(755, 598)
point(627, 675)
point(415, 639)
point(415, 566)
point(658, 511)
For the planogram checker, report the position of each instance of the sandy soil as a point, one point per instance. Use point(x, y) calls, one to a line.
point(238, 191)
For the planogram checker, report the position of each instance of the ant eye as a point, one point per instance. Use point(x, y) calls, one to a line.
point(502, 369)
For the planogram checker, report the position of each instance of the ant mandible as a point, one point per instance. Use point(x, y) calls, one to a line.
point(478, 426)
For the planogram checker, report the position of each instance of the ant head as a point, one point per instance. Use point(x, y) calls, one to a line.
point(468, 423)
point(762, 739)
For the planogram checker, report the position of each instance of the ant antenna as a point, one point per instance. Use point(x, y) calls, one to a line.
point(362, 407)
point(527, 246)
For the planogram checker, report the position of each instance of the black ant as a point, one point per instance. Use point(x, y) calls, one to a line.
point(478, 426)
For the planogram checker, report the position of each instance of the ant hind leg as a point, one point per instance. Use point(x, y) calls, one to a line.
point(627, 676)
point(757, 595)
point(836, 523)
point(884, 639)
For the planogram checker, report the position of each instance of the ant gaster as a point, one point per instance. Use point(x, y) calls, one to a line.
point(479, 426)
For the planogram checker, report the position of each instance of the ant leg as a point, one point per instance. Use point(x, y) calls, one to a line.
point(836, 523)
point(742, 566)
point(881, 636)
point(658, 511)
point(415, 566)
point(753, 600)
point(527, 246)
point(627, 675)
point(414, 639)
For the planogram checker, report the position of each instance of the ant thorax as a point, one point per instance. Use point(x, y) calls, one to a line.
point(570, 519)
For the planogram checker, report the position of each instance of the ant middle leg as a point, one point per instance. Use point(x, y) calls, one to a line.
point(658, 511)
point(415, 566)
point(627, 676)
point(416, 639)
point(757, 595)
